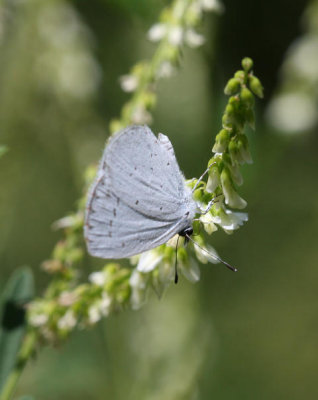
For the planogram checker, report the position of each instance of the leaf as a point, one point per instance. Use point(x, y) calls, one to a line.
point(18, 291)
point(26, 398)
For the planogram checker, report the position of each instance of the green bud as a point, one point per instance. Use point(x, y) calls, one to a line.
point(232, 86)
point(231, 197)
point(256, 86)
point(247, 97)
point(229, 109)
point(247, 64)
point(240, 75)
point(221, 141)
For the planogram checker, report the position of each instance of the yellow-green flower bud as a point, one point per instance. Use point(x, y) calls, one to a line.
point(232, 87)
point(221, 141)
point(247, 64)
point(240, 75)
point(231, 197)
point(213, 180)
point(247, 97)
point(256, 86)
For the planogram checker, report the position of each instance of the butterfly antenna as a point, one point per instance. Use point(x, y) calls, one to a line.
point(213, 255)
point(176, 277)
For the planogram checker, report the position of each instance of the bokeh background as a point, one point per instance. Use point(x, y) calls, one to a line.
point(249, 335)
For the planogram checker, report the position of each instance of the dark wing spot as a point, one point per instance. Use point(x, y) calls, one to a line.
point(160, 208)
point(168, 163)
point(187, 213)
point(111, 222)
point(114, 212)
point(130, 174)
point(137, 201)
point(117, 201)
point(135, 168)
point(151, 169)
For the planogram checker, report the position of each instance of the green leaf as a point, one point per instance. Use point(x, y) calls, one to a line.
point(18, 291)
point(26, 398)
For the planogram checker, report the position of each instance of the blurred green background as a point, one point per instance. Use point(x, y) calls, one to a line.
point(250, 335)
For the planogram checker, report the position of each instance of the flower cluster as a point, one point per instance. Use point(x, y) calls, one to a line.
point(177, 27)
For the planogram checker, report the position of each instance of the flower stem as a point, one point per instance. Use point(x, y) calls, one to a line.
point(25, 353)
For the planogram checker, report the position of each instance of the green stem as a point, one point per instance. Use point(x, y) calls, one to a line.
point(25, 353)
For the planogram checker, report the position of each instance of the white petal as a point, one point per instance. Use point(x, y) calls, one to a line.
point(157, 32)
point(148, 261)
point(194, 39)
point(97, 278)
point(128, 83)
point(191, 271)
point(175, 35)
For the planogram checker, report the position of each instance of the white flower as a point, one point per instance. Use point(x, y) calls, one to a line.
point(208, 223)
point(38, 319)
point(97, 278)
point(128, 83)
point(231, 196)
point(148, 261)
point(175, 35)
point(213, 180)
point(138, 284)
point(206, 254)
point(67, 298)
point(165, 70)
point(212, 5)
point(101, 308)
point(68, 321)
point(293, 112)
point(157, 32)
point(141, 116)
point(190, 270)
point(194, 39)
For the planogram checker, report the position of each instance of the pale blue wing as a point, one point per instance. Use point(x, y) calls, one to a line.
point(139, 199)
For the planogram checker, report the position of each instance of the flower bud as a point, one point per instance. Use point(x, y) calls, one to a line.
point(247, 97)
point(232, 87)
point(247, 64)
point(256, 86)
point(231, 197)
point(240, 75)
point(213, 180)
point(221, 141)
